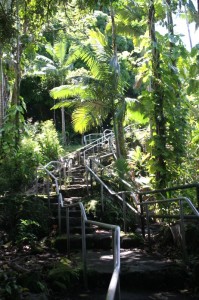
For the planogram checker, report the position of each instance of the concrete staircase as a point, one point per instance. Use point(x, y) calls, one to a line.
point(140, 270)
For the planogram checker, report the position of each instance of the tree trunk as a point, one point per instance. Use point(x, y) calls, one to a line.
point(118, 118)
point(1, 91)
point(15, 100)
point(158, 99)
point(63, 121)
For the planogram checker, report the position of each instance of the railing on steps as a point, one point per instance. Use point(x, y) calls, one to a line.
point(162, 192)
point(170, 189)
point(114, 285)
point(105, 139)
point(57, 181)
point(92, 137)
point(110, 191)
point(121, 195)
point(137, 196)
point(180, 201)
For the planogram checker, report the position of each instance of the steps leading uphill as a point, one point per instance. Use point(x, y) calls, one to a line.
point(145, 272)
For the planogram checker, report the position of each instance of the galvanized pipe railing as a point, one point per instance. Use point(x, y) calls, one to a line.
point(56, 180)
point(174, 188)
point(180, 200)
point(111, 192)
point(114, 285)
point(95, 144)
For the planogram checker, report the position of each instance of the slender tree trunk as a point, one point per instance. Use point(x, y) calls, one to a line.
point(15, 100)
point(158, 99)
point(118, 126)
point(188, 29)
point(63, 121)
point(1, 91)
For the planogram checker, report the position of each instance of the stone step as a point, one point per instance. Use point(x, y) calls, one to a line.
point(75, 190)
point(77, 180)
point(96, 239)
point(139, 270)
point(72, 200)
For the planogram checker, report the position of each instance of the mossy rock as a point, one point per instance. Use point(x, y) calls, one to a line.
point(131, 240)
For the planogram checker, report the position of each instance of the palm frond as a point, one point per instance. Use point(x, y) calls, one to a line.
point(60, 51)
point(70, 91)
point(100, 45)
point(44, 59)
point(84, 118)
point(67, 103)
point(49, 49)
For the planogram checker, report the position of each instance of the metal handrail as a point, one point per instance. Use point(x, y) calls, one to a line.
point(174, 188)
point(114, 282)
point(182, 216)
point(91, 137)
point(51, 175)
point(101, 140)
point(109, 190)
point(59, 195)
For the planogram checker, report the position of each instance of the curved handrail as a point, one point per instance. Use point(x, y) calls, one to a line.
point(116, 229)
point(109, 190)
point(114, 282)
point(180, 200)
point(187, 200)
point(51, 175)
point(95, 143)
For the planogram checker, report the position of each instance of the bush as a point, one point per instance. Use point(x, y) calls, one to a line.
point(38, 146)
point(48, 142)
point(64, 277)
point(24, 218)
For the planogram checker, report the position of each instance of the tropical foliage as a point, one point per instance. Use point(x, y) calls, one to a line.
point(106, 65)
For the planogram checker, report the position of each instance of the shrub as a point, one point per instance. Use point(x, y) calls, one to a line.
point(24, 216)
point(18, 167)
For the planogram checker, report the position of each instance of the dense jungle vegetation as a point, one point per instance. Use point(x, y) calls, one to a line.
point(82, 67)
point(69, 68)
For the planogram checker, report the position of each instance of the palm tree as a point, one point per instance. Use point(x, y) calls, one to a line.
point(99, 90)
point(57, 66)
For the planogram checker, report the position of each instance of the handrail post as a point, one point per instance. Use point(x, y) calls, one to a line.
point(148, 227)
point(60, 179)
point(84, 256)
point(142, 216)
point(48, 190)
point(102, 197)
point(37, 182)
point(59, 213)
point(113, 242)
point(64, 172)
point(91, 177)
point(124, 210)
point(197, 195)
point(117, 258)
point(182, 229)
point(68, 231)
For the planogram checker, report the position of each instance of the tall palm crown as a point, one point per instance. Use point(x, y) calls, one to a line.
point(98, 89)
